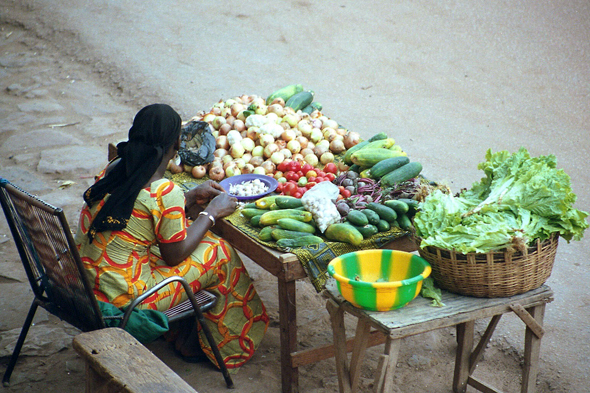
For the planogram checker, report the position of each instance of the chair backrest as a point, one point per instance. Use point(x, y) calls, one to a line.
point(50, 258)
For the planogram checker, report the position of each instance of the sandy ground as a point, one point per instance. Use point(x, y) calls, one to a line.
point(447, 82)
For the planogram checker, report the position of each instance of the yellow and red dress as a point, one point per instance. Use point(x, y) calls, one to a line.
point(123, 264)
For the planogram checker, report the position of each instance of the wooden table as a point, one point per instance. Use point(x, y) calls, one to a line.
point(420, 317)
point(287, 269)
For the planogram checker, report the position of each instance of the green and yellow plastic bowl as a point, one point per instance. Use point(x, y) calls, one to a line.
point(379, 280)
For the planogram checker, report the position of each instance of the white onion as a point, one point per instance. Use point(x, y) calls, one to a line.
point(248, 144)
point(237, 150)
point(316, 135)
point(221, 142)
point(294, 146)
point(286, 152)
point(270, 148)
point(258, 151)
point(277, 157)
point(311, 159)
point(239, 125)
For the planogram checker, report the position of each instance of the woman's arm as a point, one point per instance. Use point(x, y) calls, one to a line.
point(219, 207)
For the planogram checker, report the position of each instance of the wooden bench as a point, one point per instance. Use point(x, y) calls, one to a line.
point(420, 317)
point(117, 362)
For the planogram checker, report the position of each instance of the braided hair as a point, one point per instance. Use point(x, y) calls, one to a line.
point(155, 128)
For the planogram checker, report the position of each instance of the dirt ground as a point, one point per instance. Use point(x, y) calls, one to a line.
point(68, 80)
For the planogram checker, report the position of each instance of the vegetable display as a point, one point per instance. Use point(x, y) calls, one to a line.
point(520, 199)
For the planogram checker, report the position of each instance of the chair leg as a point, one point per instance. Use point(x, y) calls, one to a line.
point(215, 349)
point(19, 344)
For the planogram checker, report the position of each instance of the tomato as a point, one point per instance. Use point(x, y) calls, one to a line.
point(290, 188)
point(346, 193)
point(300, 173)
point(280, 188)
point(302, 190)
point(320, 179)
point(331, 168)
point(341, 188)
point(321, 174)
point(306, 168)
point(294, 166)
point(297, 195)
point(339, 197)
point(282, 167)
point(330, 176)
point(310, 184)
point(302, 181)
point(311, 179)
point(289, 175)
point(311, 173)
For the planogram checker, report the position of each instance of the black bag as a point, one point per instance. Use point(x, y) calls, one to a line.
point(197, 143)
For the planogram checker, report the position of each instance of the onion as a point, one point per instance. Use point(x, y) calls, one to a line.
point(266, 139)
point(198, 171)
point(174, 168)
point(215, 134)
point(237, 150)
point(220, 153)
point(342, 167)
point(294, 146)
point(247, 169)
point(216, 163)
point(270, 148)
point(259, 171)
point(286, 152)
point(285, 125)
point(278, 175)
point(288, 135)
point(306, 151)
point(316, 135)
point(240, 162)
point(320, 149)
point(277, 109)
point(311, 159)
point(232, 170)
point(224, 129)
point(253, 133)
point(209, 117)
point(351, 139)
point(216, 173)
point(248, 144)
point(281, 143)
point(337, 146)
point(327, 158)
point(261, 110)
point(187, 168)
point(341, 131)
point(305, 127)
point(324, 143)
point(236, 109)
point(221, 142)
point(277, 157)
point(258, 151)
point(230, 120)
point(256, 161)
point(299, 157)
point(228, 159)
point(330, 123)
point(247, 157)
point(239, 125)
point(269, 167)
point(302, 141)
point(218, 122)
point(292, 119)
point(329, 134)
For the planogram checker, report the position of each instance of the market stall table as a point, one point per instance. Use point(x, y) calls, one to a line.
point(419, 316)
point(287, 268)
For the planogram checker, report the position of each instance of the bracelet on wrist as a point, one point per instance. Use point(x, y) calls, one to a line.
point(209, 216)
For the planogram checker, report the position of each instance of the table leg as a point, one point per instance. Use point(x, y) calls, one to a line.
point(386, 367)
point(339, 332)
point(288, 326)
point(465, 332)
point(358, 351)
point(532, 348)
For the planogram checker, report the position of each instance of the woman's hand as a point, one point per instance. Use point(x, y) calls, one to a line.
point(204, 192)
point(222, 205)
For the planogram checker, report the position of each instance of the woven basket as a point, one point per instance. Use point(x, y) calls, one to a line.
point(493, 274)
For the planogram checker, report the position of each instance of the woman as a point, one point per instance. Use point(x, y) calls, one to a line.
point(133, 233)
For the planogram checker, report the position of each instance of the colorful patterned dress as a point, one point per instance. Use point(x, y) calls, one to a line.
point(124, 264)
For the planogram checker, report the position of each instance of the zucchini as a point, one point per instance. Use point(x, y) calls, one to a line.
point(401, 174)
point(251, 205)
point(302, 241)
point(399, 206)
point(266, 202)
point(288, 202)
point(255, 221)
point(380, 144)
point(265, 233)
point(372, 216)
point(274, 206)
point(285, 93)
point(279, 233)
point(356, 217)
point(384, 212)
point(273, 216)
point(295, 225)
point(360, 145)
point(355, 168)
point(382, 168)
point(314, 106)
point(249, 213)
point(367, 230)
point(413, 205)
point(344, 233)
point(300, 100)
point(365, 173)
point(383, 226)
point(370, 157)
point(404, 222)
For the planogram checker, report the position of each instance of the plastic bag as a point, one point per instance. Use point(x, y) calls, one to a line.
point(197, 143)
point(319, 201)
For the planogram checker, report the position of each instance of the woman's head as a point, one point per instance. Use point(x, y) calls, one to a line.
point(156, 125)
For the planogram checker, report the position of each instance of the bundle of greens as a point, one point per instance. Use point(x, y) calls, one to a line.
point(520, 199)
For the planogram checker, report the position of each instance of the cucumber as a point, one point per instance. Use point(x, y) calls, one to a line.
point(274, 206)
point(348, 155)
point(279, 233)
point(401, 174)
point(370, 157)
point(251, 205)
point(302, 241)
point(295, 225)
point(288, 202)
point(377, 137)
point(372, 216)
point(285, 93)
point(300, 100)
point(314, 106)
point(345, 233)
point(356, 217)
point(412, 205)
point(404, 222)
point(249, 213)
point(266, 202)
point(255, 221)
point(383, 226)
point(355, 168)
point(265, 233)
point(399, 206)
point(272, 217)
point(384, 212)
point(366, 230)
point(382, 168)
point(380, 144)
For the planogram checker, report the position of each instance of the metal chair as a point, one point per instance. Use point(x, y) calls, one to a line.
point(56, 273)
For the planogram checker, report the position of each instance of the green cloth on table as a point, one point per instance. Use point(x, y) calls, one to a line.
point(144, 325)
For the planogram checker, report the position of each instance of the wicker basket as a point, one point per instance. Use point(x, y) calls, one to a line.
point(493, 274)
